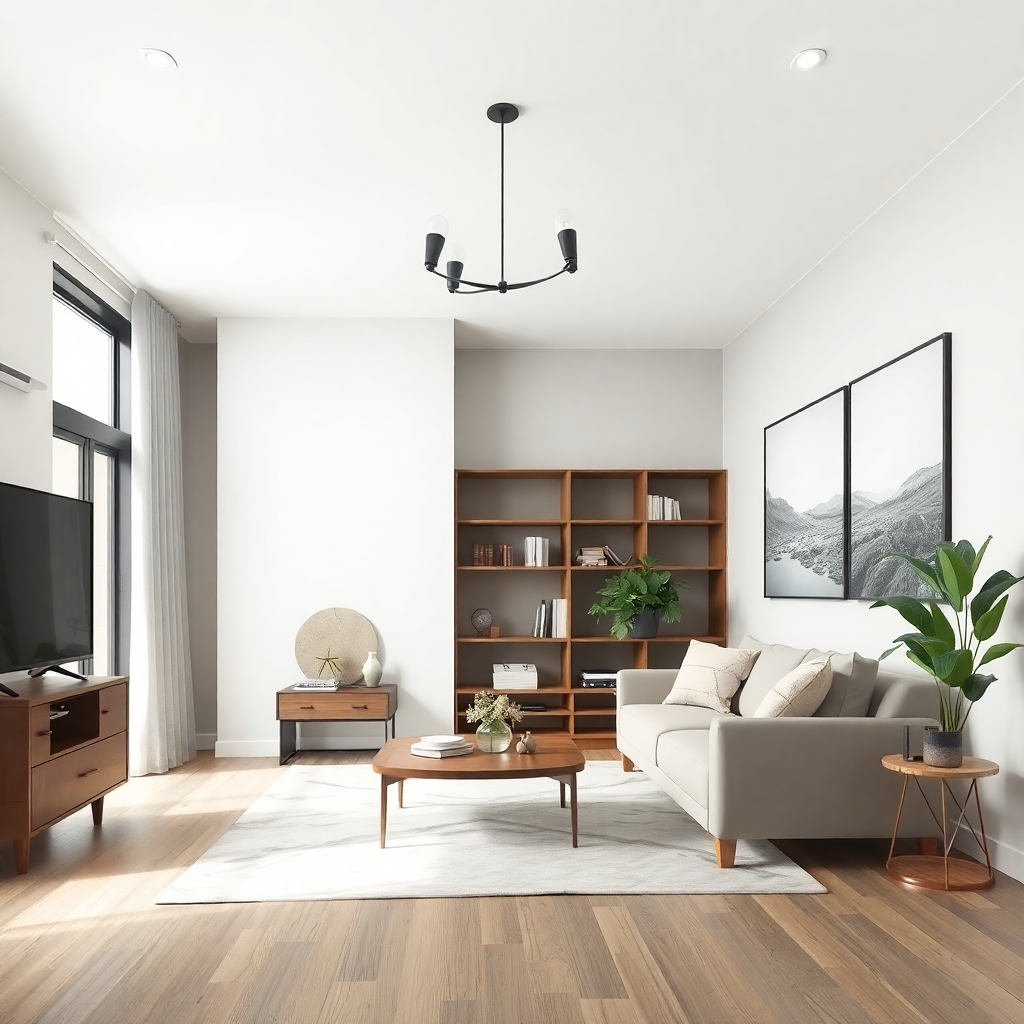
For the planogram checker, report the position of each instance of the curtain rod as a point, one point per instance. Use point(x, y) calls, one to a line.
point(52, 239)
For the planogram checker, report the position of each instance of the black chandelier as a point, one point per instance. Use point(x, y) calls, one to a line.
point(565, 223)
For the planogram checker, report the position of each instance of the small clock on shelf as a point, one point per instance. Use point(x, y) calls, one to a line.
point(481, 620)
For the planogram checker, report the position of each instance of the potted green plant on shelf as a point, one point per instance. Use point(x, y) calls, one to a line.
point(948, 651)
point(494, 712)
point(638, 598)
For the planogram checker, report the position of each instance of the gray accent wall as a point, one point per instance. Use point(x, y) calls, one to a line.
point(588, 409)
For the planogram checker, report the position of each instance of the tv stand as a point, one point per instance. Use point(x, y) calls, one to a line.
point(35, 673)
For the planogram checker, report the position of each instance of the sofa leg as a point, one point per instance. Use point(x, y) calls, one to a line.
point(725, 851)
point(627, 765)
point(928, 846)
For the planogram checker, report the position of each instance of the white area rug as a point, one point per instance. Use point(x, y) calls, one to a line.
point(315, 835)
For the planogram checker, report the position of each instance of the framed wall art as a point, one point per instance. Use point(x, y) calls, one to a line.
point(900, 483)
point(805, 485)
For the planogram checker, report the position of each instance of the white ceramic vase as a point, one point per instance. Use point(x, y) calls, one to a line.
point(372, 670)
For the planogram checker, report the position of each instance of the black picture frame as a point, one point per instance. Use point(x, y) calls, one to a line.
point(806, 550)
point(900, 464)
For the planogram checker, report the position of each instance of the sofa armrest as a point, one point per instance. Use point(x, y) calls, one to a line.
point(792, 778)
point(643, 685)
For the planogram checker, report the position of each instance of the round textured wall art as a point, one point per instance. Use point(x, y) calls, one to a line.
point(333, 644)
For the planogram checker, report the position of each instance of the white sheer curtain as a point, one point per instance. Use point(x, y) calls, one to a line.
point(162, 729)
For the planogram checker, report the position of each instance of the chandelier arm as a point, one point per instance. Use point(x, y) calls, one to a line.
point(502, 278)
point(540, 280)
point(462, 280)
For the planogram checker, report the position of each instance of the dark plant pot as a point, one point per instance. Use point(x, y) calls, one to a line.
point(645, 625)
point(943, 749)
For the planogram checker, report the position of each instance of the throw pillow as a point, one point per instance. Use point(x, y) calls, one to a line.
point(775, 661)
point(799, 693)
point(853, 683)
point(710, 675)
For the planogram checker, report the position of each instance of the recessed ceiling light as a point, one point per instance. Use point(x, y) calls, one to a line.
point(159, 59)
point(807, 59)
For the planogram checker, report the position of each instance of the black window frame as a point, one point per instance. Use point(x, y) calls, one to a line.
point(95, 436)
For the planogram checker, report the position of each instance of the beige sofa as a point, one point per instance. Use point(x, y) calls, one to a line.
point(781, 778)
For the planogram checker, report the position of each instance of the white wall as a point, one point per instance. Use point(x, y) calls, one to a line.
point(198, 366)
point(945, 254)
point(588, 409)
point(335, 488)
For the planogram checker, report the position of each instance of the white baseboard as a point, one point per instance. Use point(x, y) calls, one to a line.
point(247, 748)
point(338, 743)
point(206, 741)
point(1005, 858)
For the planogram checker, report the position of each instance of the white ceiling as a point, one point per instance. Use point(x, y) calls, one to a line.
point(289, 166)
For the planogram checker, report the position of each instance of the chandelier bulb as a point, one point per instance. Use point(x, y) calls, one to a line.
point(437, 228)
point(456, 253)
point(438, 225)
point(565, 219)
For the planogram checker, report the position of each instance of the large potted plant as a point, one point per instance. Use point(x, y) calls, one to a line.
point(638, 598)
point(951, 651)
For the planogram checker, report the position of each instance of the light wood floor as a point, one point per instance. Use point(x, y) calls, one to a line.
point(81, 941)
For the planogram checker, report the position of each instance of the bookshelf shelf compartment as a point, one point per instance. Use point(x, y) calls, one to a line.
point(574, 509)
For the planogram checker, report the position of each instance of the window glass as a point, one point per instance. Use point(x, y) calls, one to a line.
point(83, 363)
point(66, 463)
point(103, 582)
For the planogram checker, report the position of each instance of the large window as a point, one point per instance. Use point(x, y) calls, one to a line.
point(92, 450)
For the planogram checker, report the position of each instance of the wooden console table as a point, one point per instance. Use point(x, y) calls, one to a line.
point(928, 871)
point(63, 744)
point(346, 704)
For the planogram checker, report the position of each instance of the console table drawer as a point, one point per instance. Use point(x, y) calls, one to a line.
point(311, 707)
point(76, 778)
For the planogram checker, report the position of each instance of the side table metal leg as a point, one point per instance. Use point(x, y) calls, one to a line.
point(946, 846)
point(899, 812)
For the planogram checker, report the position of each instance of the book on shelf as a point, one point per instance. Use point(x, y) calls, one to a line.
point(537, 551)
point(552, 619)
point(514, 677)
point(661, 507)
point(483, 554)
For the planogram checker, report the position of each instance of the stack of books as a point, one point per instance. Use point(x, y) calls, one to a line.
point(660, 507)
point(493, 554)
point(536, 551)
point(598, 556)
point(441, 746)
point(514, 677)
point(318, 684)
point(552, 619)
point(597, 680)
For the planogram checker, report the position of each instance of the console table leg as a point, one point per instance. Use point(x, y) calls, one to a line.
point(97, 812)
point(289, 741)
point(21, 855)
point(392, 728)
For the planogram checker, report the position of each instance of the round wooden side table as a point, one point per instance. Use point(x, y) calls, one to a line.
point(923, 871)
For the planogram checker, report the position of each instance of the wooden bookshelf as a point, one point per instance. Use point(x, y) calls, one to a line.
point(573, 509)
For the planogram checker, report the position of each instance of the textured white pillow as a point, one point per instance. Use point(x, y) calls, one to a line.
point(798, 694)
point(710, 675)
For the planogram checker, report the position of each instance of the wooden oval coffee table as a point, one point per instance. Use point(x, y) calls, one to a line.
point(928, 871)
point(557, 757)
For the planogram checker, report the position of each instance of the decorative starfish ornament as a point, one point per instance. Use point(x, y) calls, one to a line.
point(328, 662)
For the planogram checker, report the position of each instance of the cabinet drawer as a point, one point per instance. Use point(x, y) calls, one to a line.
point(76, 778)
point(113, 710)
point(311, 707)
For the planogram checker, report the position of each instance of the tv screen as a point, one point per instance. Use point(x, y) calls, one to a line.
point(45, 578)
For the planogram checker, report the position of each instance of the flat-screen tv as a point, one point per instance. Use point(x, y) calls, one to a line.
point(45, 579)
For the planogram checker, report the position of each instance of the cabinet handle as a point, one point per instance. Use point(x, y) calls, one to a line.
point(105, 711)
point(45, 732)
point(306, 707)
point(360, 707)
point(85, 775)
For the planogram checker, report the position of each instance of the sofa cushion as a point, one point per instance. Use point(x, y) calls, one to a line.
point(641, 725)
point(710, 675)
point(774, 661)
point(798, 694)
point(683, 757)
point(853, 683)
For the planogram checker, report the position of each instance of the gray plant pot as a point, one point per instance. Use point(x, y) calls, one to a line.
point(943, 749)
point(645, 625)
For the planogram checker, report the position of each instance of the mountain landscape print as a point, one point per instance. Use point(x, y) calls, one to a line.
point(804, 465)
point(899, 444)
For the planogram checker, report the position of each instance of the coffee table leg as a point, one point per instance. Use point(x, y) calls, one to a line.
point(572, 793)
point(401, 792)
point(383, 808)
point(561, 794)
